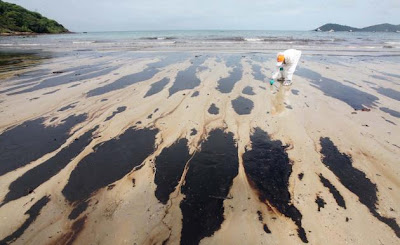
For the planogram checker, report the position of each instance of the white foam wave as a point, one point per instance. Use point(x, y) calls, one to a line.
point(254, 39)
point(393, 43)
point(83, 42)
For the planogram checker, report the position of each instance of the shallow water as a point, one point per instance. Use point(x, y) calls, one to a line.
point(88, 41)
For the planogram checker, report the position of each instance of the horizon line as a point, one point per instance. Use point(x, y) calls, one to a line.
point(158, 30)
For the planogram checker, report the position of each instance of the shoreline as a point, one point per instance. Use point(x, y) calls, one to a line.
point(14, 34)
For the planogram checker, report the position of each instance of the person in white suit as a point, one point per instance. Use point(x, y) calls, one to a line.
point(286, 66)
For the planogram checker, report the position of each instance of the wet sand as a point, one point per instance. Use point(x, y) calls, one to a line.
point(157, 147)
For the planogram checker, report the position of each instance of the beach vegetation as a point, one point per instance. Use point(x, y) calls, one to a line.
point(14, 19)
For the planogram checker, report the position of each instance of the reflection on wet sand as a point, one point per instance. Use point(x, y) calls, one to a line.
point(12, 62)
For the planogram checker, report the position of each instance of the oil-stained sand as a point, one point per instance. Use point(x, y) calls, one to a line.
point(207, 184)
point(225, 85)
point(157, 87)
point(353, 97)
point(187, 79)
point(32, 213)
point(69, 78)
point(31, 140)
point(119, 110)
point(109, 162)
point(268, 168)
point(169, 169)
point(242, 105)
point(332, 189)
point(30, 180)
point(214, 110)
point(355, 180)
point(170, 147)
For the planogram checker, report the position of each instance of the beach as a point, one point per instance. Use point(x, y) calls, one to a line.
point(174, 139)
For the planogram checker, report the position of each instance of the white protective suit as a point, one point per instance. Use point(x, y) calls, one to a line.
point(292, 57)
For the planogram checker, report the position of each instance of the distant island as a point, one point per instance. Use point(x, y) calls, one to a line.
point(375, 28)
point(16, 20)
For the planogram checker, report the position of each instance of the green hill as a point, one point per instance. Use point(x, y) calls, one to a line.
point(336, 27)
point(15, 19)
point(382, 27)
point(374, 28)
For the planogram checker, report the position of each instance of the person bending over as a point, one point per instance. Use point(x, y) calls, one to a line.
point(286, 66)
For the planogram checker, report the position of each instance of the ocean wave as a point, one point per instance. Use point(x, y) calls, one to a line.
point(83, 42)
point(258, 40)
point(254, 39)
point(103, 41)
point(274, 39)
point(392, 43)
point(165, 42)
point(236, 39)
point(29, 44)
point(339, 40)
point(298, 40)
point(24, 44)
point(364, 39)
point(158, 38)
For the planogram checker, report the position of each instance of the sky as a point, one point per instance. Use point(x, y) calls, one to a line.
point(131, 15)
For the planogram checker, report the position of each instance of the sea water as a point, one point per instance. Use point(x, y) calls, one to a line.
point(207, 39)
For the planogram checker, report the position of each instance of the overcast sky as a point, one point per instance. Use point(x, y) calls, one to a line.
point(125, 15)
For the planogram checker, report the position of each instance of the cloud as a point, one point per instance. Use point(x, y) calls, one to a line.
point(102, 15)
